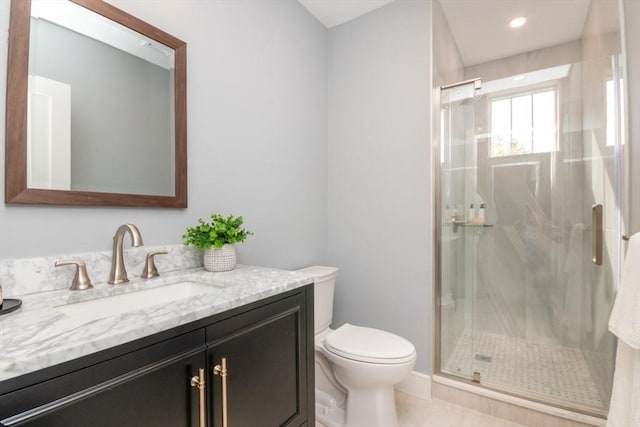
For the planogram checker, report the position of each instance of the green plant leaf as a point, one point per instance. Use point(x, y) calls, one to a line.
point(216, 233)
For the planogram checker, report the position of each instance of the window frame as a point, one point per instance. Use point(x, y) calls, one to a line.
point(530, 91)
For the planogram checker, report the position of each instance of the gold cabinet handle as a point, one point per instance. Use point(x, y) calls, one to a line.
point(198, 381)
point(222, 371)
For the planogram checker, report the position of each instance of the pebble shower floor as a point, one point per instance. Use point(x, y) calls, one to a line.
point(538, 369)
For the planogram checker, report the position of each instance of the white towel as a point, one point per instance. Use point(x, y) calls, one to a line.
point(625, 316)
point(624, 409)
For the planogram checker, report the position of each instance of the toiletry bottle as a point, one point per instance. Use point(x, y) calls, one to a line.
point(481, 216)
point(472, 213)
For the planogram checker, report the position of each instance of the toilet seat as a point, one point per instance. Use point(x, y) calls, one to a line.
point(369, 345)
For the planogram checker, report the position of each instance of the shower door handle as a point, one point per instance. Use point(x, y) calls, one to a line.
point(596, 234)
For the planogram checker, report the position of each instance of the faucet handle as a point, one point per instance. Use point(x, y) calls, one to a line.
point(81, 280)
point(150, 269)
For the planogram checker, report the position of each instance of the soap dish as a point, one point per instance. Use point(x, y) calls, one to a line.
point(9, 305)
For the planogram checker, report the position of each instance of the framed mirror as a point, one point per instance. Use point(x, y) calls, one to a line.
point(96, 108)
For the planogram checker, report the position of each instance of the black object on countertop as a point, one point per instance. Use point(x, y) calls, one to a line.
point(9, 305)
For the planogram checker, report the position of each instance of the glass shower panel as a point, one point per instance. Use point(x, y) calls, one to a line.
point(458, 172)
point(523, 307)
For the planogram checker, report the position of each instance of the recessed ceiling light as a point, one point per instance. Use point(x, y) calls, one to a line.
point(518, 22)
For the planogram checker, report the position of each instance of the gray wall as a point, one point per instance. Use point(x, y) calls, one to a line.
point(379, 172)
point(257, 108)
point(447, 64)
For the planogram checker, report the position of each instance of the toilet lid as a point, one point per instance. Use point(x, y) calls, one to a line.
point(369, 345)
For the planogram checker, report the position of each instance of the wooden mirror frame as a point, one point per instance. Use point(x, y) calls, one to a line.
point(15, 190)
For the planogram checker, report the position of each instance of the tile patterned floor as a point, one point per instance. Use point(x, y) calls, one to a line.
point(540, 369)
point(414, 412)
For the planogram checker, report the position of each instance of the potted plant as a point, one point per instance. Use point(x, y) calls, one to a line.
point(216, 238)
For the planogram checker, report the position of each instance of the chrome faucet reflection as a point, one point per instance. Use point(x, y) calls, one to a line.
point(118, 272)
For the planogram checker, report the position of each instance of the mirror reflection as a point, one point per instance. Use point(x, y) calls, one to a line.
point(100, 105)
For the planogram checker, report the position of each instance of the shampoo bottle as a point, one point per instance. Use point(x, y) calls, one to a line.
point(481, 216)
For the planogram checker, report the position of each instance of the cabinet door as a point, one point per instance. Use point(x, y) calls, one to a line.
point(155, 395)
point(265, 351)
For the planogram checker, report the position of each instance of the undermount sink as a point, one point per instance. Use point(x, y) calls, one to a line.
point(132, 301)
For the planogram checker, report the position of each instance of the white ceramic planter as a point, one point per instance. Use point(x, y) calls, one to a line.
point(222, 259)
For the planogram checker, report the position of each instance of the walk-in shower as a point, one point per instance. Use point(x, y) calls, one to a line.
point(528, 209)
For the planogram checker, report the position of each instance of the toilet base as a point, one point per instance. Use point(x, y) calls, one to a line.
point(365, 408)
point(328, 411)
point(371, 408)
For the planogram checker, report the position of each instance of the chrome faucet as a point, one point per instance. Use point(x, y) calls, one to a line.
point(118, 272)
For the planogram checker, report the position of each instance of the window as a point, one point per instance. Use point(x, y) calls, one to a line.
point(524, 123)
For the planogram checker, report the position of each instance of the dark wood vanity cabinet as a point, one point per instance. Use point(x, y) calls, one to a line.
point(148, 386)
point(265, 353)
point(268, 352)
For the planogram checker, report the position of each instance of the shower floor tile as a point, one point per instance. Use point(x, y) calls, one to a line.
point(546, 370)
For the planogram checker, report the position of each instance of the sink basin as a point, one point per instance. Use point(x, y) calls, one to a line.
point(132, 301)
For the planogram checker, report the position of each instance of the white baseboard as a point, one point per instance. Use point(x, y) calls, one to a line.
point(417, 385)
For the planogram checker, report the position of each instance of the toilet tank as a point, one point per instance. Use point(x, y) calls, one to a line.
point(323, 289)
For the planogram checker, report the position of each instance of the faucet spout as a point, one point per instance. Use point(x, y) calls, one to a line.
point(118, 272)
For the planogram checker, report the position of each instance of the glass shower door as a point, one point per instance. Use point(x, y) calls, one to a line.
point(529, 232)
point(457, 237)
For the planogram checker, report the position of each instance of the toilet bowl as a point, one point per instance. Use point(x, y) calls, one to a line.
point(356, 367)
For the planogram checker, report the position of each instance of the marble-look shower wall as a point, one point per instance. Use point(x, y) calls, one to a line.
point(565, 53)
point(532, 201)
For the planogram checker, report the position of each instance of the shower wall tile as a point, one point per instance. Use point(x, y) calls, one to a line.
point(567, 53)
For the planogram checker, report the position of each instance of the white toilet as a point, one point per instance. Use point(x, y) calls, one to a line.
point(356, 367)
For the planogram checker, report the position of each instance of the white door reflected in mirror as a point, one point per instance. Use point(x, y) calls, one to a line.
point(49, 134)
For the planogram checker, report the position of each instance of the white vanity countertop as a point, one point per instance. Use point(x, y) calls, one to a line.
point(38, 336)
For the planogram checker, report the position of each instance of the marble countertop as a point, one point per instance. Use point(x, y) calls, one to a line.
point(38, 335)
